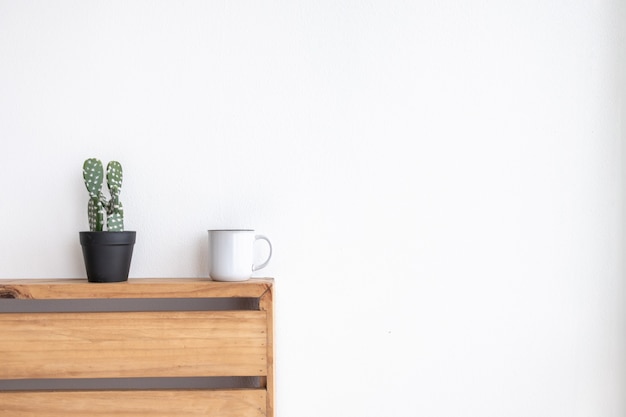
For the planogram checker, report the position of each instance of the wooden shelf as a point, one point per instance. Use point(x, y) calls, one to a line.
point(74, 289)
point(43, 348)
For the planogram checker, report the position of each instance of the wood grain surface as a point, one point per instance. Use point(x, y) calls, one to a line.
point(108, 345)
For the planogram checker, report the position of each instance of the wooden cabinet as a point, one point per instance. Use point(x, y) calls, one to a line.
point(158, 347)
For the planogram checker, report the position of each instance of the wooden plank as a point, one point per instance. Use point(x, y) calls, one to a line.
point(159, 403)
point(267, 304)
point(133, 344)
point(68, 289)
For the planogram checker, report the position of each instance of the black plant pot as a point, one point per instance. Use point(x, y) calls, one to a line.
point(107, 255)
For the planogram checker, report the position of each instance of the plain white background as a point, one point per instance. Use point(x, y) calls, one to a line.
point(442, 182)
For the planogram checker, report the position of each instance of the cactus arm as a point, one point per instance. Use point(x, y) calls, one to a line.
point(115, 211)
point(95, 212)
point(115, 222)
point(114, 178)
point(93, 176)
point(115, 215)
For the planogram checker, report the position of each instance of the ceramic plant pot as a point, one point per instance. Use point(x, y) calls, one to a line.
point(107, 255)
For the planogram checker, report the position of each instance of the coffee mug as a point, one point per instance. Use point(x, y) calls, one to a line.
point(231, 254)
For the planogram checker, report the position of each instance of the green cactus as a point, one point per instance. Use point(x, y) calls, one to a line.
point(115, 211)
point(98, 204)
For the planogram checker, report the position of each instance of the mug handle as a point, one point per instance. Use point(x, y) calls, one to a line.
point(264, 264)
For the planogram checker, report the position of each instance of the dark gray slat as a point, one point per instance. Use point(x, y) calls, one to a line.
point(130, 383)
point(128, 304)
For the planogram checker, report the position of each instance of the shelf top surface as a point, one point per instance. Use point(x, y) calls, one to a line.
point(71, 289)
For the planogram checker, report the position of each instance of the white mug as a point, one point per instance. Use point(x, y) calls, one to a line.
point(231, 254)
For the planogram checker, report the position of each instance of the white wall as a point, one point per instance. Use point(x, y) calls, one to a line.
point(441, 181)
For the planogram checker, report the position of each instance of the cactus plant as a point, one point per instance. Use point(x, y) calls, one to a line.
point(98, 204)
